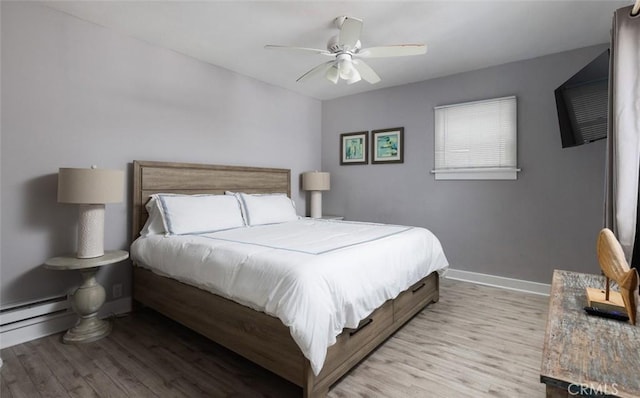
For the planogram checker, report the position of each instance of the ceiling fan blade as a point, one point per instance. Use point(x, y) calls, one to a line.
point(317, 70)
point(400, 50)
point(366, 72)
point(350, 33)
point(303, 49)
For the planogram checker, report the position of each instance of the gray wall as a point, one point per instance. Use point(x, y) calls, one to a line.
point(548, 218)
point(76, 94)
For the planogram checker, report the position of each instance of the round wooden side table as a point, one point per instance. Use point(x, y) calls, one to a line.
point(89, 297)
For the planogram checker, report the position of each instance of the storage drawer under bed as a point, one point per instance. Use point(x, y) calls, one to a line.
point(354, 340)
point(418, 295)
point(379, 325)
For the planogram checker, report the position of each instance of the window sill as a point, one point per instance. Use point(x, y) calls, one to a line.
point(477, 174)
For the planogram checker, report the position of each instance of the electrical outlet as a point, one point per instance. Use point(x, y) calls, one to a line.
point(117, 290)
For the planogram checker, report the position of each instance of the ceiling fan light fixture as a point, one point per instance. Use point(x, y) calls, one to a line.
point(355, 77)
point(345, 66)
point(333, 74)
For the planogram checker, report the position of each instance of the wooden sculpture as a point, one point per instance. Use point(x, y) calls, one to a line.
point(615, 267)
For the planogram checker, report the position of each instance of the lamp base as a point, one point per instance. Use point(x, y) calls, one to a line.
point(90, 231)
point(316, 204)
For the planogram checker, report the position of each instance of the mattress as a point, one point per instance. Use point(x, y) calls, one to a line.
point(316, 276)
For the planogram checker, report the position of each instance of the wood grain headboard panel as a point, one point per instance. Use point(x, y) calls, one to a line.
point(192, 178)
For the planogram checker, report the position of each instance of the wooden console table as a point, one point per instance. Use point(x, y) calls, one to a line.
point(584, 355)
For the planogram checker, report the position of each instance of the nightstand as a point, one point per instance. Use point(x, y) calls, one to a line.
point(89, 297)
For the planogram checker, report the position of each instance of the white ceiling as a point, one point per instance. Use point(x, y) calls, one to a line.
point(460, 36)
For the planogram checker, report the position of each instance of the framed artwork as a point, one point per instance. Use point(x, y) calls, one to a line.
point(353, 148)
point(387, 146)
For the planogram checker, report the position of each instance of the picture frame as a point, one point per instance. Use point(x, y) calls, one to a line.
point(387, 146)
point(354, 148)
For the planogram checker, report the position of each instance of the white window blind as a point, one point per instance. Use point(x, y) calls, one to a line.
point(476, 140)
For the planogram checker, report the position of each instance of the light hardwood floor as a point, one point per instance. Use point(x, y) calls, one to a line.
point(477, 341)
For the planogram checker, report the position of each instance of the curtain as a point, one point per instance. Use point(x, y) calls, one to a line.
point(623, 144)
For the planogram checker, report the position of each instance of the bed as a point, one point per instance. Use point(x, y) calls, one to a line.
point(264, 339)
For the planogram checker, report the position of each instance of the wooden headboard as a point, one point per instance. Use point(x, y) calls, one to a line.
point(192, 178)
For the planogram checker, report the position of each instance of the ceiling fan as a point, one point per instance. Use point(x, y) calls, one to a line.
point(347, 53)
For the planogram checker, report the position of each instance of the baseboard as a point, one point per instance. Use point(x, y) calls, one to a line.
point(42, 326)
point(519, 285)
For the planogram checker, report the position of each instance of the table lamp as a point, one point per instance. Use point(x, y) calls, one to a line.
point(316, 182)
point(91, 189)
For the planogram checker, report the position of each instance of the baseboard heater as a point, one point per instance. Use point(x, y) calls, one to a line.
point(25, 321)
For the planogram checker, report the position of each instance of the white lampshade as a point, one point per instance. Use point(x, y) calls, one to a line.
point(355, 77)
point(345, 66)
point(91, 189)
point(333, 74)
point(90, 186)
point(316, 181)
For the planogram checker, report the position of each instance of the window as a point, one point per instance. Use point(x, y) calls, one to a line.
point(476, 140)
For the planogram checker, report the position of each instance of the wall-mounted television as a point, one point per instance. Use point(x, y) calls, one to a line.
point(582, 103)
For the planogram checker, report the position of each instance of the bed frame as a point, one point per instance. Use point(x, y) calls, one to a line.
point(261, 338)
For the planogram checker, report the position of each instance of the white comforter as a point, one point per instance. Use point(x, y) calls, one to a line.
point(317, 276)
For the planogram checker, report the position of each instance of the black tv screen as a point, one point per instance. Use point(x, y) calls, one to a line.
point(583, 103)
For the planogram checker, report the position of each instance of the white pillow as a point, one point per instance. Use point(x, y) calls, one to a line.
point(154, 224)
point(242, 209)
point(262, 209)
point(193, 214)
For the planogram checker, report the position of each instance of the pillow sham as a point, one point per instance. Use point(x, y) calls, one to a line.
point(193, 214)
point(154, 224)
point(259, 209)
point(242, 209)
